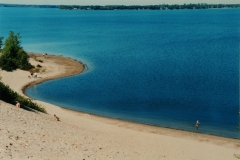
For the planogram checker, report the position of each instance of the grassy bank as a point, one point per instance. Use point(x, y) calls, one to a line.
point(9, 96)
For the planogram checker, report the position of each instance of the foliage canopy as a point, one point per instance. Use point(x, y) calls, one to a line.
point(13, 56)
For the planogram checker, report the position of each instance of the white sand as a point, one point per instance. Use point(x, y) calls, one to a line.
point(33, 135)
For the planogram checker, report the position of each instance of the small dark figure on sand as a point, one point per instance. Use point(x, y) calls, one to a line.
point(31, 74)
point(197, 124)
point(56, 117)
point(45, 55)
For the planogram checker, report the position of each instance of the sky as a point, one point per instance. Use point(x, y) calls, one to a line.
point(117, 2)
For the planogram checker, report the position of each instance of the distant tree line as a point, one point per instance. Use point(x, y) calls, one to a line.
point(150, 7)
point(26, 5)
point(131, 7)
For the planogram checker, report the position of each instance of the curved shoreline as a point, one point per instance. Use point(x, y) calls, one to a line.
point(97, 136)
point(72, 67)
point(77, 67)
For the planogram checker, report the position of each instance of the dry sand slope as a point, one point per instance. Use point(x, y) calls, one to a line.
point(33, 135)
point(27, 134)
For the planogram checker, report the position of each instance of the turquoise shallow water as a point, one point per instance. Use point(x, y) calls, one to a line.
point(163, 68)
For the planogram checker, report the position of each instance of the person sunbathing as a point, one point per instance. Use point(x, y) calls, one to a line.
point(18, 104)
point(56, 117)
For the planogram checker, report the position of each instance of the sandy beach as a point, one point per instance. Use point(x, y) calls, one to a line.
point(77, 136)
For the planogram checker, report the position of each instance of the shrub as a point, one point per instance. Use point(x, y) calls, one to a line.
point(9, 96)
point(13, 56)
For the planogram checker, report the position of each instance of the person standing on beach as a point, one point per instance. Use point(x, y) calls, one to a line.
point(197, 124)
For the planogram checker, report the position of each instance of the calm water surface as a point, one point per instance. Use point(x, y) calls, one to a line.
point(163, 68)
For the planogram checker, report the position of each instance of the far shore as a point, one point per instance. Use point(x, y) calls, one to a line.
point(107, 138)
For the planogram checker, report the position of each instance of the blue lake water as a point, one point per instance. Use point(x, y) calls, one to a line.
point(163, 68)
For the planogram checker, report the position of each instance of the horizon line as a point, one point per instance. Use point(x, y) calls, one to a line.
point(118, 4)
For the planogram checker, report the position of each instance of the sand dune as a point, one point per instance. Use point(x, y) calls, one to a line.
point(33, 135)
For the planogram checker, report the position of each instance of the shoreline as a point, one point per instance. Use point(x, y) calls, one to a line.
point(75, 68)
point(79, 70)
point(117, 138)
point(154, 127)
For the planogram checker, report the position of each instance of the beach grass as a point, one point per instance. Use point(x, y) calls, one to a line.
point(237, 156)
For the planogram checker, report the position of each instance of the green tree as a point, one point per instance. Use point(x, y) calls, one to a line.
point(13, 56)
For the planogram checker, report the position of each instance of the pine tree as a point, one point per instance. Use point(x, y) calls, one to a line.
point(13, 56)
